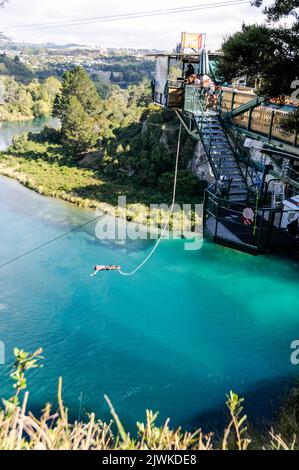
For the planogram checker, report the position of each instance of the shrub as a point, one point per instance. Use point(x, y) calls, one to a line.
point(47, 134)
point(188, 186)
point(20, 430)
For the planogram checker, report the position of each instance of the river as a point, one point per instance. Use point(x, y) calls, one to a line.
point(176, 337)
point(8, 130)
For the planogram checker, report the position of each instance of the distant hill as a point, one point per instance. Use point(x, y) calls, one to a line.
point(15, 68)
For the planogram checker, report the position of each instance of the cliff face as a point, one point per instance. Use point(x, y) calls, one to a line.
point(199, 164)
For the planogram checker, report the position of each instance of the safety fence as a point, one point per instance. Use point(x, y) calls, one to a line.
point(247, 225)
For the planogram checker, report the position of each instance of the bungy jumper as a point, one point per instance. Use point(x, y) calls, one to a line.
point(147, 258)
point(111, 267)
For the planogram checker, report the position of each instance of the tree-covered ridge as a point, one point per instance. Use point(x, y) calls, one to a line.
point(19, 101)
point(106, 147)
point(133, 138)
point(15, 68)
point(146, 151)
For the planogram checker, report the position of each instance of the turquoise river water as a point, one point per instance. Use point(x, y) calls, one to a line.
point(176, 337)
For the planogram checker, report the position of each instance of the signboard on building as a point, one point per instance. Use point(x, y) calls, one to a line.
point(193, 41)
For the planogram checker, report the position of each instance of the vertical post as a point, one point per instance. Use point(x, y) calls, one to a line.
point(220, 102)
point(271, 124)
point(265, 171)
point(232, 101)
point(270, 228)
point(193, 96)
point(249, 119)
point(228, 190)
point(295, 139)
point(217, 216)
point(247, 164)
point(204, 209)
point(260, 229)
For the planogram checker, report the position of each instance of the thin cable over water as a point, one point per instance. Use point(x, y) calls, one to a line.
point(50, 241)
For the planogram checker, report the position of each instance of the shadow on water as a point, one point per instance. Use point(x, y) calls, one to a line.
point(265, 399)
point(261, 406)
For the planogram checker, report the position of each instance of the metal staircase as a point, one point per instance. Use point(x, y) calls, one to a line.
point(225, 166)
point(235, 211)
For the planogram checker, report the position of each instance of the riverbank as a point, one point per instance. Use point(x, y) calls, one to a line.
point(17, 117)
point(11, 129)
point(44, 169)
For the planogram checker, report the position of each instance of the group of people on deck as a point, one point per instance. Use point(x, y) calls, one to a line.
point(209, 89)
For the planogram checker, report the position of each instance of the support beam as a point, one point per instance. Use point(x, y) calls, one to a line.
point(247, 106)
point(278, 144)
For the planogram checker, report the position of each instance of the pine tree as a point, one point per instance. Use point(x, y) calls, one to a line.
point(78, 106)
point(78, 128)
point(77, 83)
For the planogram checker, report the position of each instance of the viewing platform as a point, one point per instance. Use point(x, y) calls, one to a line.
point(246, 208)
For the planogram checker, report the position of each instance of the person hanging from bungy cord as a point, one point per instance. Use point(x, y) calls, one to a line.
point(111, 267)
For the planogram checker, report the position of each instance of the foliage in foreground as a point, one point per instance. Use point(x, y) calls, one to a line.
point(21, 430)
point(269, 51)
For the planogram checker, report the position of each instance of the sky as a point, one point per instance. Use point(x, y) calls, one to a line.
point(160, 32)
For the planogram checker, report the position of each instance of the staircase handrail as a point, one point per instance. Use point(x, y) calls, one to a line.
point(198, 104)
point(233, 130)
point(198, 98)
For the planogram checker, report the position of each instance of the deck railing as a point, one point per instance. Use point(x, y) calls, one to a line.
point(193, 99)
point(263, 120)
point(225, 221)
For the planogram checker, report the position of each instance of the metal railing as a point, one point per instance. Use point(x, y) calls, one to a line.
point(225, 220)
point(264, 120)
point(242, 154)
point(195, 104)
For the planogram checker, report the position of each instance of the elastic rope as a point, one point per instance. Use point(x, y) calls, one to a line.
point(131, 273)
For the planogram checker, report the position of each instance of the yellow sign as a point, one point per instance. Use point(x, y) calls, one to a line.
point(191, 41)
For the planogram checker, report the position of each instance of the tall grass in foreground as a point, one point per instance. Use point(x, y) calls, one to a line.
point(21, 430)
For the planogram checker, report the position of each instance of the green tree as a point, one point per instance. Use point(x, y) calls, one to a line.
point(78, 128)
point(34, 89)
point(41, 108)
point(25, 102)
point(270, 51)
point(246, 52)
point(280, 9)
point(78, 106)
point(50, 89)
point(77, 83)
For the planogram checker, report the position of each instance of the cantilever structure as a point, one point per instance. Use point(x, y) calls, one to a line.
point(253, 204)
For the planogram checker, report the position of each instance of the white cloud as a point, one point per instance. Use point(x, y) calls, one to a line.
point(161, 32)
